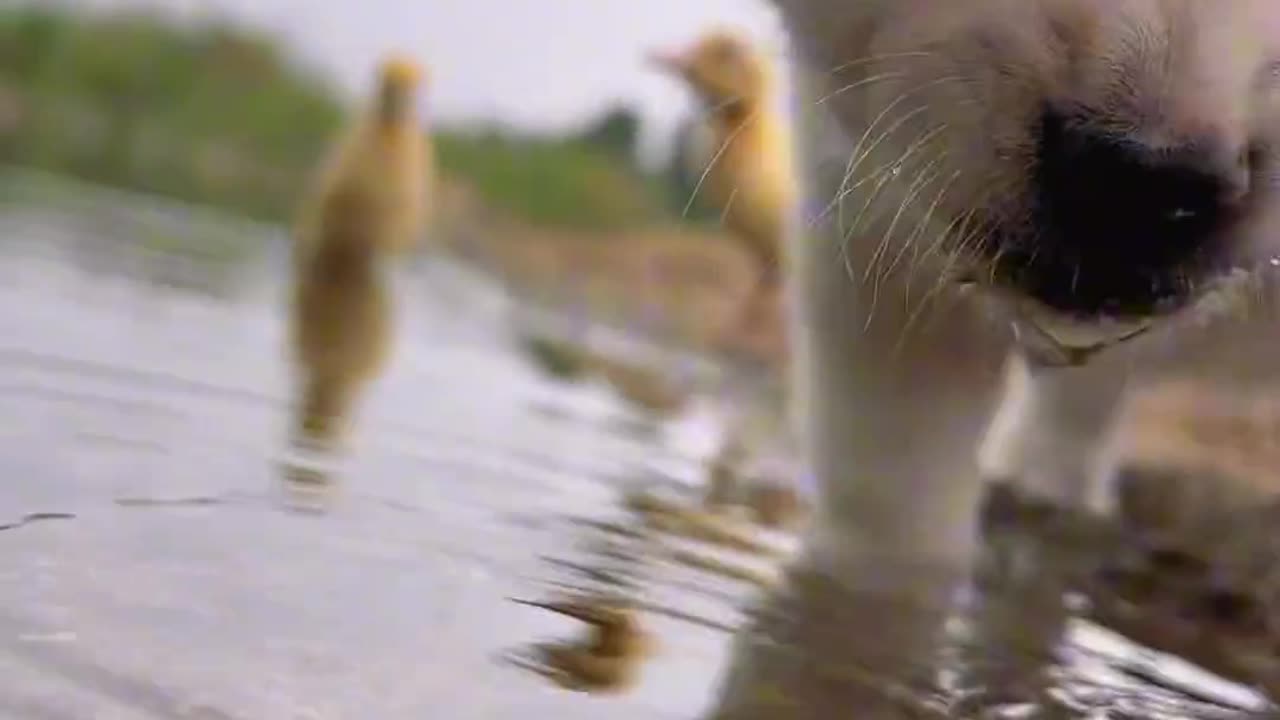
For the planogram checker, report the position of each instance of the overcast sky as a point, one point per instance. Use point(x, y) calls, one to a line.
point(540, 64)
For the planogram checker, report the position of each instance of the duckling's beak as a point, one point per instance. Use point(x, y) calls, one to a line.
point(668, 61)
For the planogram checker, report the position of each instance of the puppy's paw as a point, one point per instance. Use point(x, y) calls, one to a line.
point(1028, 537)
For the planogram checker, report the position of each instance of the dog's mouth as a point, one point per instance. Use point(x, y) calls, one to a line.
point(1051, 337)
point(1056, 341)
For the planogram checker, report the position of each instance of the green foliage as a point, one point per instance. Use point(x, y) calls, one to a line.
point(27, 35)
point(221, 115)
point(682, 177)
point(560, 182)
point(617, 130)
point(208, 113)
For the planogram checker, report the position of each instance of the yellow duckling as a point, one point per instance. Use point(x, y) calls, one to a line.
point(751, 175)
point(367, 204)
point(748, 165)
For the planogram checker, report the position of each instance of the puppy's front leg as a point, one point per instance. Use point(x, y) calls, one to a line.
point(891, 419)
point(1054, 434)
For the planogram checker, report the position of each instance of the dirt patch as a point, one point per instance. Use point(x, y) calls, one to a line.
point(1195, 453)
point(680, 283)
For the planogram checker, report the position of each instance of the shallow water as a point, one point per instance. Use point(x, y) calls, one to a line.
point(181, 588)
point(160, 576)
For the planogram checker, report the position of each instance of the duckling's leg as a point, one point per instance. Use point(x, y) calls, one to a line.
point(319, 430)
point(724, 469)
point(324, 413)
point(757, 424)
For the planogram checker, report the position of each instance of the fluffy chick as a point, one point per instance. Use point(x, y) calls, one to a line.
point(368, 203)
point(748, 161)
point(751, 175)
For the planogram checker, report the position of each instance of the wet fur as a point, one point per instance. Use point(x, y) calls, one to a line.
point(907, 394)
point(366, 206)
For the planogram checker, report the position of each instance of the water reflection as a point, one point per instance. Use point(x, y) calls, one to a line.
point(1006, 639)
point(1000, 653)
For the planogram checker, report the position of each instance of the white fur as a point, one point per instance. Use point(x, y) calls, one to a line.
point(897, 380)
point(1053, 432)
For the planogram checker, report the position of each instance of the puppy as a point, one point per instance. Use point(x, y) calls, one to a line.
point(1022, 207)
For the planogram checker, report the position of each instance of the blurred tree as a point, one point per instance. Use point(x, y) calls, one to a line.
point(27, 34)
point(210, 113)
point(125, 67)
point(683, 173)
point(617, 130)
point(551, 181)
point(218, 114)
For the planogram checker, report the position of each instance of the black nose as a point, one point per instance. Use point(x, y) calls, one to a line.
point(1119, 226)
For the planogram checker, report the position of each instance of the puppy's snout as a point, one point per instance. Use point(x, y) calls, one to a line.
point(1120, 222)
point(1116, 194)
